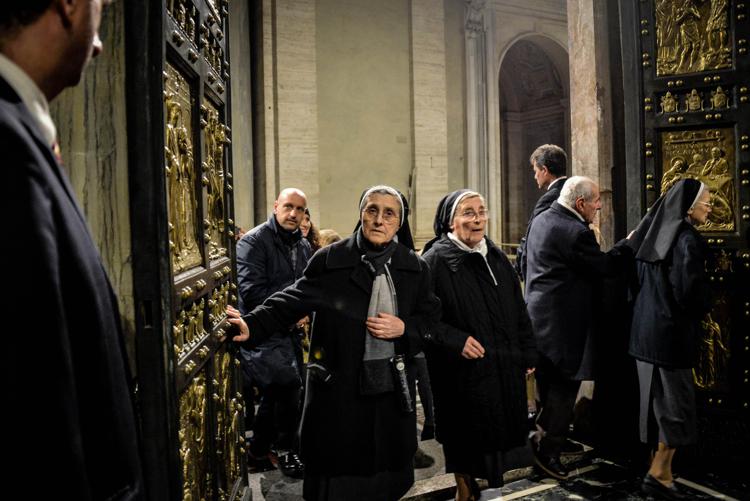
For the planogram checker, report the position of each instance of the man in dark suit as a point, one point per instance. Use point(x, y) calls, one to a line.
point(271, 257)
point(70, 418)
point(565, 269)
point(549, 163)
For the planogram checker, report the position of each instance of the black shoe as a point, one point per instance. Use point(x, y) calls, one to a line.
point(422, 459)
point(291, 465)
point(548, 465)
point(428, 432)
point(653, 487)
point(570, 448)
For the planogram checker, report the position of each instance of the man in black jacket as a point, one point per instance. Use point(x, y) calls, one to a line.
point(565, 269)
point(271, 257)
point(69, 414)
point(549, 163)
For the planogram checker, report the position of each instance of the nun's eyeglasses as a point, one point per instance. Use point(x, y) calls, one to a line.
point(388, 215)
point(707, 204)
point(470, 214)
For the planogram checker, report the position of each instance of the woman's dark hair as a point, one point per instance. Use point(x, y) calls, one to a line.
point(16, 13)
point(312, 235)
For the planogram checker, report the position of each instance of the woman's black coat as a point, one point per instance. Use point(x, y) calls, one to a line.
point(674, 297)
point(479, 404)
point(343, 432)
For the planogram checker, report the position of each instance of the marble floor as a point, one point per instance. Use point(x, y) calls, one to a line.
point(591, 478)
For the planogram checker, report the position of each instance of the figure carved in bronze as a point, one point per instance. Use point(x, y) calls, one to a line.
point(691, 36)
point(718, 146)
point(694, 101)
point(180, 169)
point(719, 99)
point(668, 103)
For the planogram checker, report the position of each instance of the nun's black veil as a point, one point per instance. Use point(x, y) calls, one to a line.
point(653, 238)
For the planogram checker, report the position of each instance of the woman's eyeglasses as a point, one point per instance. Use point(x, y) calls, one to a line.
point(388, 215)
point(470, 214)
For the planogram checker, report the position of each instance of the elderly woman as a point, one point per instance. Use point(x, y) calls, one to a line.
point(373, 305)
point(480, 352)
point(673, 297)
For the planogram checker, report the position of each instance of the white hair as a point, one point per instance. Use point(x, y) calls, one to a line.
point(574, 188)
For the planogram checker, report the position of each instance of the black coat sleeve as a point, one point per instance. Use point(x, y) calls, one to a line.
point(421, 322)
point(252, 273)
point(286, 307)
point(588, 258)
point(443, 336)
point(687, 274)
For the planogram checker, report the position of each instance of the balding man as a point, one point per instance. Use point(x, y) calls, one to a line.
point(564, 271)
point(270, 257)
point(69, 414)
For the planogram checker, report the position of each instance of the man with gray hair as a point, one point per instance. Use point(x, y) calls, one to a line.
point(564, 272)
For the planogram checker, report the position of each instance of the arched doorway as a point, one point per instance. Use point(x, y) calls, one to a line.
point(534, 110)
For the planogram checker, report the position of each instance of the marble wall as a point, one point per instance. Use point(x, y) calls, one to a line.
point(364, 103)
point(242, 113)
point(290, 100)
point(429, 105)
point(91, 123)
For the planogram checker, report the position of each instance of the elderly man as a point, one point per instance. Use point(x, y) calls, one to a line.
point(548, 162)
point(565, 268)
point(70, 415)
point(270, 257)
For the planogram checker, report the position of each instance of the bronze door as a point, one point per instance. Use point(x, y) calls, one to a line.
point(183, 239)
point(689, 116)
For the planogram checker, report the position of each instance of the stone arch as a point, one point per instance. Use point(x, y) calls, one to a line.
point(534, 89)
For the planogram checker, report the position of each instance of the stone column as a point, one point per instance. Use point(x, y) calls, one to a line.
point(476, 96)
point(242, 133)
point(590, 105)
point(291, 111)
point(430, 113)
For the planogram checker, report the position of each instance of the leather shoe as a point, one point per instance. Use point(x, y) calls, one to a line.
point(570, 448)
point(653, 487)
point(547, 464)
point(551, 466)
point(291, 465)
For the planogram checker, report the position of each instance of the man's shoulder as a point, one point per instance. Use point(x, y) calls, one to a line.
point(558, 219)
point(260, 235)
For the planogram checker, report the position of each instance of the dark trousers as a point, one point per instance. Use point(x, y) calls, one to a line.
point(277, 419)
point(558, 396)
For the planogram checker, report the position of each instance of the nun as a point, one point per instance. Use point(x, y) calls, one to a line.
point(673, 296)
point(373, 305)
point(482, 349)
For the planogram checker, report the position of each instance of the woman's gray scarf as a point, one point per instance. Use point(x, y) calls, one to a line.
point(376, 375)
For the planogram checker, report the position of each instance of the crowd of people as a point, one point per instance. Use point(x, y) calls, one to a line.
point(335, 333)
point(377, 309)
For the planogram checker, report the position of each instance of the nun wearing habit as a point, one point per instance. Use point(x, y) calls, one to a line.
point(672, 299)
point(480, 396)
point(373, 303)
